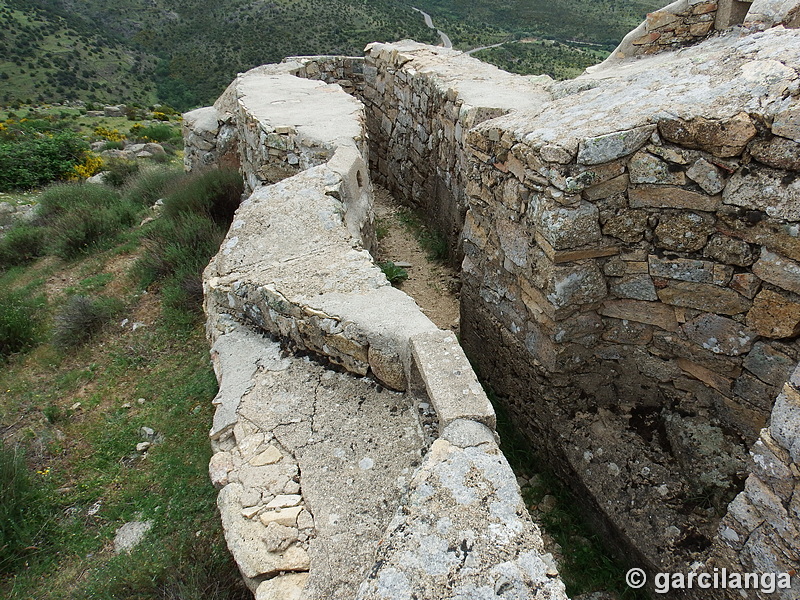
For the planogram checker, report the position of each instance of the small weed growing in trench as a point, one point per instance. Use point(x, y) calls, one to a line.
point(396, 275)
point(432, 241)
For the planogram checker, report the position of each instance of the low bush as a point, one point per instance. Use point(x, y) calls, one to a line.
point(81, 216)
point(152, 184)
point(36, 161)
point(117, 171)
point(155, 133)
point(20, 321)
point(215, 194)
point(396, 275)
point(196, 216)
point(80, 318)
point(23, 511)
point(22, 243)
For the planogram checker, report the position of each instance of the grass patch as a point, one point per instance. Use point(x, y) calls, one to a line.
point(432, 241)
point(21, 317)
point(396, 275)
point(25, 510)
point(80, 217)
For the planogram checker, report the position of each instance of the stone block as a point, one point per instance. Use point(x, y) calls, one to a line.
point(784, 425)
point(774, 315)
point(636, 287)
point(705, 297)
point(627, 332)
point(284, 587)
point(711, 378)
point(568, 227)
point(643, 167)
point(672, 197)
point(787, 124)
point(746, 284)
point(651, 313)
point(719, 334)
point(682, 269)
point(777, 152)
point(721, 137)
point(768, 364)
point(449, 380)
point(753, 391)
point(729, 250)
point(683, 232)
point(607, 188)
point(766, 190)
point(605, 148)
point(707, 176)
point(778, 270)
point(628, 226)
point(771, 465)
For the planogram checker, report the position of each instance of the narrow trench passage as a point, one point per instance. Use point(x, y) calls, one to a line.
point(435, 286)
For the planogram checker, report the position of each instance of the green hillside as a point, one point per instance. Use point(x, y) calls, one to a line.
point(44, 59)
point(184, 52)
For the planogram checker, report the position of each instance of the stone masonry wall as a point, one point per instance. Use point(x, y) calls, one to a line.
point(630, 275)
point(447, 522)
point(420, 102)
point(629, 255)
point(636, 273)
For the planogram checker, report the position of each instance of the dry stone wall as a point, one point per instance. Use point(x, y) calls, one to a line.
point(330, 485)
point(420, 103)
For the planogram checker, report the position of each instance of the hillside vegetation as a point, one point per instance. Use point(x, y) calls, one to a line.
point(184, 52)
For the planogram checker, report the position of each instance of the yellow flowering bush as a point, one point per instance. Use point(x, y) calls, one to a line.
point(112, 135)
point(91, 165)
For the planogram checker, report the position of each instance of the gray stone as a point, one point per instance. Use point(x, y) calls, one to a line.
point(764, 189)
point(638, 287)
point(787, 124)
point(778, 270)
point(768, 364)
point(646, 168)
point(778, 153)
point(130, 535)
point(467, 434)
point(719, 334)
point(284, 587)
point(568, 227)
point(729, 250)
point(707, 176)
point(705, 297)
point(436, 542)
point(605, 148)
point(684, 232)
point(784, 426)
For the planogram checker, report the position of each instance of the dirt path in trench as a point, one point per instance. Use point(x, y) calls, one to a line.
point(433, 284)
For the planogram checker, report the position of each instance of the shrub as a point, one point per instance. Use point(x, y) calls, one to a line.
point(81, 216)
point(20, 322)
point(34, 162)
point(22, 244)
point(215, 194)
point(80, 318)
point(118, 171)
point(23, 510)
point(155, 133)
point(152, 184)
point(394, 274)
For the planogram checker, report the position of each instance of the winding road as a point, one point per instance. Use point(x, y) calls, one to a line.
point(429, 22)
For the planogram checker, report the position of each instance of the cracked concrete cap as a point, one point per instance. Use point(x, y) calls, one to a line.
point(463, 533)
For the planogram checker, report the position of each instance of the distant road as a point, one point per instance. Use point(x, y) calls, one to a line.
point(479, 48)
point(429, 22)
